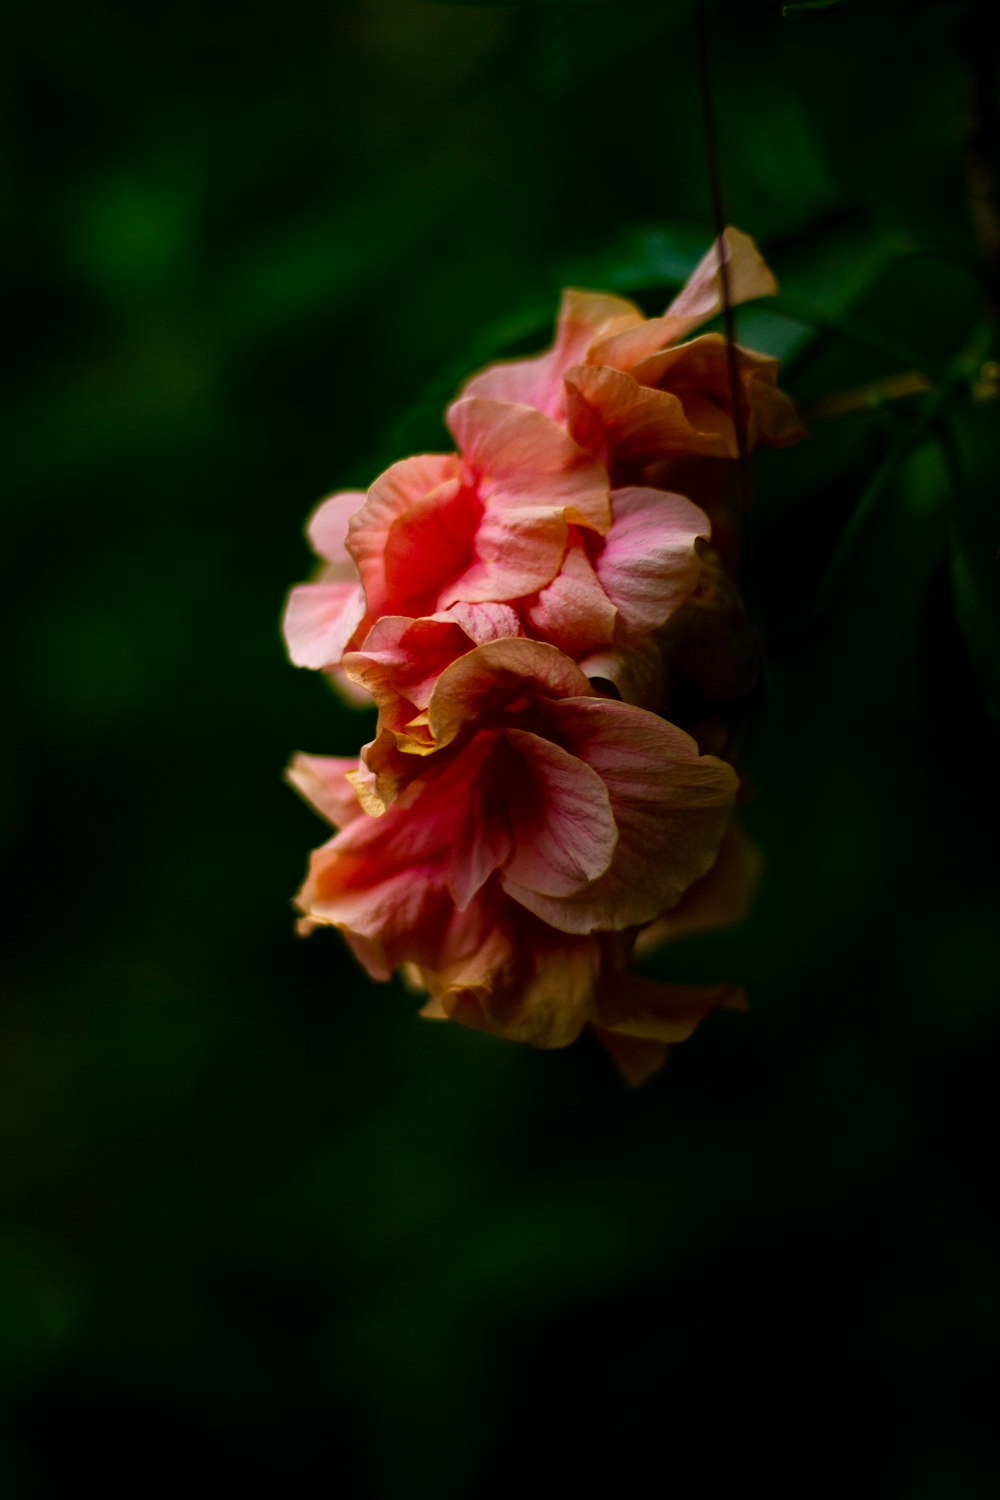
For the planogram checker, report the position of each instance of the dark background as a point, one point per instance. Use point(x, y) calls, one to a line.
point(263, 1226)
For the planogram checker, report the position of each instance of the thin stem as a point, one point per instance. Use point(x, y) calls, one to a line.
point(719, 216)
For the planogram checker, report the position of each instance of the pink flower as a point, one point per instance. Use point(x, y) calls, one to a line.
point(563, 581)
point(445, 882)
point(486, 524)
point(630, 391)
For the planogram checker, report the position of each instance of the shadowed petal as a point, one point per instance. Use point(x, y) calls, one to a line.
point(560, 816)
point(322, 781)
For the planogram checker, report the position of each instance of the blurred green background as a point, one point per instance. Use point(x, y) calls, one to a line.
point(263, 1227)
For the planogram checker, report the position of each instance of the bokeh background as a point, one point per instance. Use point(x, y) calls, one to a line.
point(263, 1227)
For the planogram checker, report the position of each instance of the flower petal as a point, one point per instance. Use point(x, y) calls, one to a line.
point(747, 274)
point(322, 781)
point(671, 806)
point(649, 564)
point(700, 299)
point(560, 816)
point(573, 612)
point(327, 530)
point(637, 1018)
point(719, 899)
point(320, 621)
point(528, 462)
point(538, 382)
point(413, 534)
point(494, 675)
point(610, 412)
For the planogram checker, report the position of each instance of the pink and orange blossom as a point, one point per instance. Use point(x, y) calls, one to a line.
point(521, 611)
point(629, 390)
point(408, 889)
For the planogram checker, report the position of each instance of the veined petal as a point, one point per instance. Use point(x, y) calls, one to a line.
point(524, 981)
point(327, 529)
point(322, 781)
point(574, 611)
point(413, 534)
point(610, 411)
point(320, 622)
point(560, 816)
point(700, 299)
point(528, 462)
point(516, 552)
point(648, 564)
point(495, 675)
point(538, 382)
point(670, 804)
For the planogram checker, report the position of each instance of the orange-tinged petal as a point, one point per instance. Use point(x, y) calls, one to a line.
point(322, 781)
point(612, 413)
point(537, 382)
point(413, 534)
point(720, 899)
point(701, 297)
point(519, 979)
point(636, 673)
point(637, 1019)
point(495, 675)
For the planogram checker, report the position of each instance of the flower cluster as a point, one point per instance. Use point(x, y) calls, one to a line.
point(525, 611)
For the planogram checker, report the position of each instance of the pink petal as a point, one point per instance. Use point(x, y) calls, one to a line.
point(320, 621)
point(671, 806)
point(495, 675)
point(483, 621)
point(517, 551)
point(560, 817)
point(648, 564)
point(538, 382)
point(528, 462)
point(327, 530)
point(402, 658)
point(322, 781)
point(483, 841)
point(413, 534)
point(573, 612)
